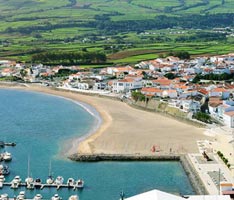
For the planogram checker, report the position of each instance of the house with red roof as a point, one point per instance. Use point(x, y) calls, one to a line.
point(150, 91)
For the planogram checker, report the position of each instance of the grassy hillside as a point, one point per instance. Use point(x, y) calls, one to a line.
point(32, 26)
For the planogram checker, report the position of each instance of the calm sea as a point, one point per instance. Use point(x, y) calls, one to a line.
point(40, 124)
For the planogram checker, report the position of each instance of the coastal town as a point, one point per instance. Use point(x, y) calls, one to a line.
point(198, 91)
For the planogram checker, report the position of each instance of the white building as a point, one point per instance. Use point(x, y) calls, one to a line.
point(83, 86)
point(159, 195)
point(228, 119)
point(190, 106)
point(169, 93)
point(126, 85)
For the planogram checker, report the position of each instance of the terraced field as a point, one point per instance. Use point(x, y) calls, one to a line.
point(31, 26)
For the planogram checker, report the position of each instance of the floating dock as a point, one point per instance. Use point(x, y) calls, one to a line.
point(3, 144)
point(42, 186)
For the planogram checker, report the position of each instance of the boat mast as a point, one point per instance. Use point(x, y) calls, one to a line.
point(50, 168)
point(28, 166)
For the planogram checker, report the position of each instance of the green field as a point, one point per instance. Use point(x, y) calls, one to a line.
point(31, 26)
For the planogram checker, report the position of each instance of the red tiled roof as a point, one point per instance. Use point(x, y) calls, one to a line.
point(150, 89)
point(219, 90)
point(231, 113)
point(203, 91)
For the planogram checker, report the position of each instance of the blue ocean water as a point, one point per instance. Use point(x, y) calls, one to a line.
point(40, 124)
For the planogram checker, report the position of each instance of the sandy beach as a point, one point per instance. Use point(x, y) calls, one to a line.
point(126, 130)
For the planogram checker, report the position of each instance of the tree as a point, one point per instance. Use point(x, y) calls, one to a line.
point(138, 96)
point(170, 75)
point(23, 73)
point(202, 117)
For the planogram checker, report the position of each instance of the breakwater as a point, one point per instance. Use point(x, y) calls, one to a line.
point(194, 178)
point(121, 157)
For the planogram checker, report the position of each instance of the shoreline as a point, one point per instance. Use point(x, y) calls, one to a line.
point(126, 130)
point(71, 145)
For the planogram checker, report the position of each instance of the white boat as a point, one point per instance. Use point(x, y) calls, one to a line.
point(15, 182)
point(56, 197)
point(37, 197)
point(80, 183)
point(7, 156)
point(2, 178)
point(4, 197)
point(59, 180)
point(30, 184)
point(74, 197)
point(21, 195)
point(71, 182)
point(50, 180)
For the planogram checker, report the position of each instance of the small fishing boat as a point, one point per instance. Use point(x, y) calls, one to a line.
point(56, 197)
point(59, 180)
point(80, 183)
point(7, 156)
point(37, 197)
point(37, 183)
point(71, 182)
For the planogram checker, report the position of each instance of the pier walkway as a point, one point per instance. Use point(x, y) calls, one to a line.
point(211, 172)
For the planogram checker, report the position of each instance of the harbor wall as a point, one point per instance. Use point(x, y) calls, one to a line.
point(194, 178)
point(121, 157)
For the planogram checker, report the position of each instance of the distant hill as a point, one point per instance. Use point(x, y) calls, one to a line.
point(39, 23)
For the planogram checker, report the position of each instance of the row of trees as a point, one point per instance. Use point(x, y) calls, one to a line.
point(164, 21)
point(107, 26)
point(202, 36)
point(69, 57)
point(211, 76)
point(225, 160)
